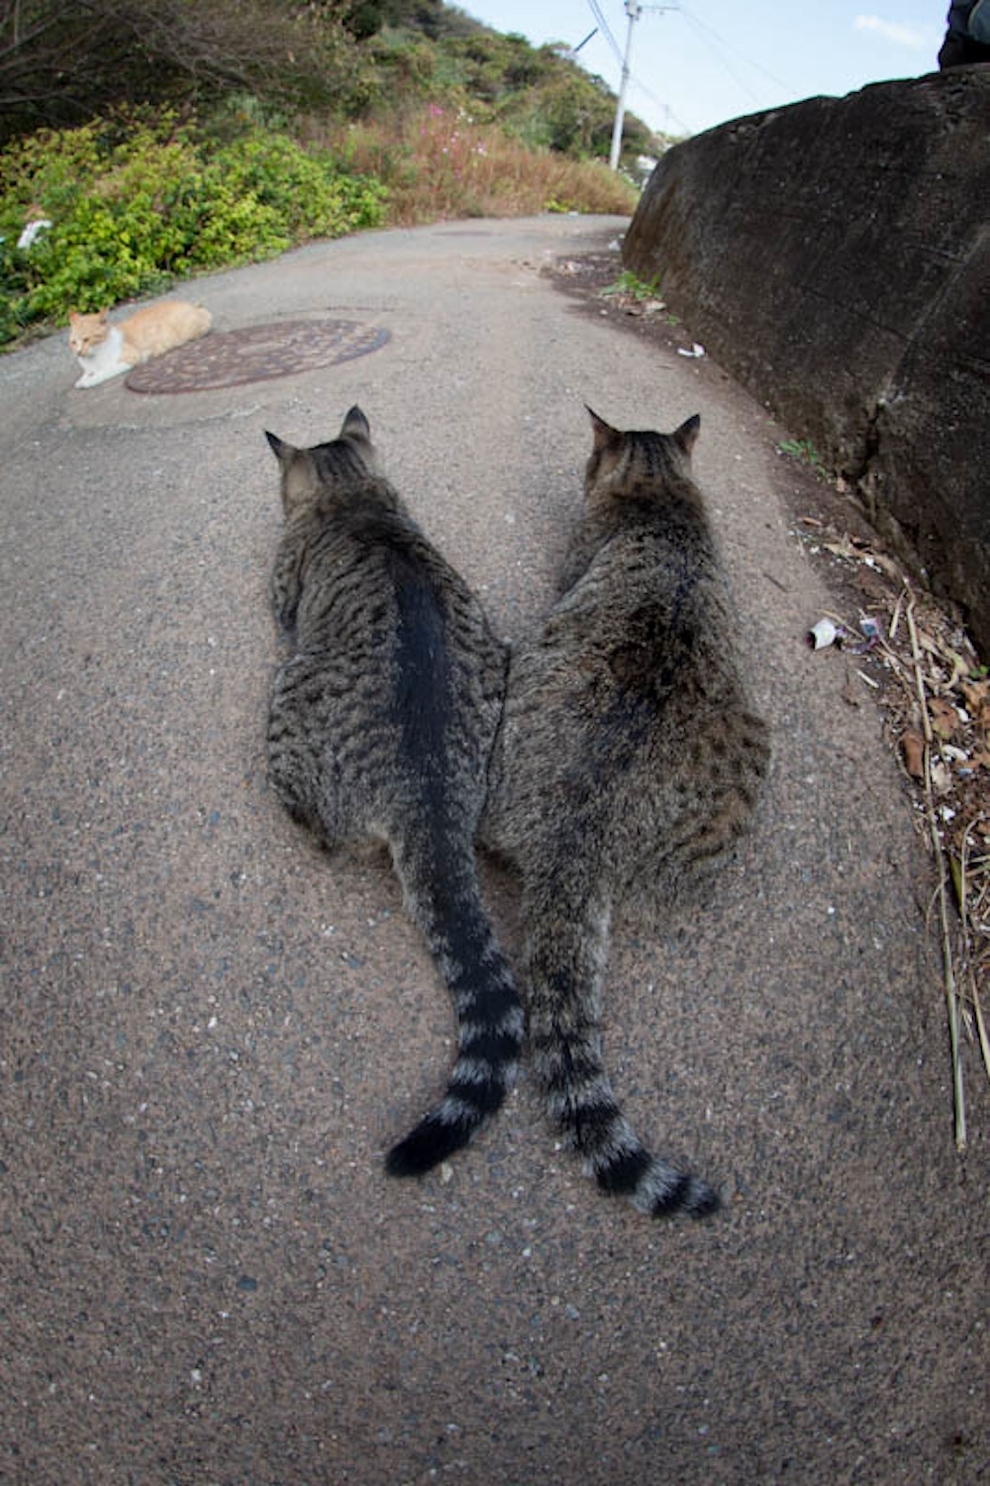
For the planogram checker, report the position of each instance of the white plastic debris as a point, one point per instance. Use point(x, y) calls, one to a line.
point(31, 231)
point(822, 634)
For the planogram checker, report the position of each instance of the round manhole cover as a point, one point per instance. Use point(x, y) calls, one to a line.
point(256, 354)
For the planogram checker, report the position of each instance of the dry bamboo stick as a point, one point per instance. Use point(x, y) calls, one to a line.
point(948, 965)
point(974, 990)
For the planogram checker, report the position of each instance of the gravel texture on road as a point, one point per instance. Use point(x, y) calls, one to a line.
point(210, 1031)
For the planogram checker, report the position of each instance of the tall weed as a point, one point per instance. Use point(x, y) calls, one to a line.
point(436, 162)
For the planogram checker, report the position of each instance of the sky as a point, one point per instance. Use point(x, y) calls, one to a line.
point(700, 62)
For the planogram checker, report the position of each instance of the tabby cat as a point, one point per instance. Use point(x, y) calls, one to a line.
point(104, 350)
point(628, 762)
point(381, 728)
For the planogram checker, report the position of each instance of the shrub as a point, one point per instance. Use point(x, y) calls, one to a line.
point(137, 202)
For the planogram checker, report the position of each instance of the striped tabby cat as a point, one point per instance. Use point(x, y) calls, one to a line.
point(627, 764)
point(381, 728)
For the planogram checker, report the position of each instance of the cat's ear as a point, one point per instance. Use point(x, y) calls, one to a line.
point(687, 435)
point(103, 316)
point(283, 452)
point(356, 425)
point(603, 432)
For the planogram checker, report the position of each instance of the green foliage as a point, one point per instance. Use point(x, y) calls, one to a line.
point(805, 452)
point(65, 61)
point(633, 287)
point(536, 94)
point(138, 202)
point(539, 96)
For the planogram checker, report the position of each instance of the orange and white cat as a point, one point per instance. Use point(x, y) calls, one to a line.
point(104, 350)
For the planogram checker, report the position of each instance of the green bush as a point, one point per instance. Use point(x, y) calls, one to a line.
point(137, 202)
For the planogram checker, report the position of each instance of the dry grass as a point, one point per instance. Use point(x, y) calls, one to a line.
point(436, 164)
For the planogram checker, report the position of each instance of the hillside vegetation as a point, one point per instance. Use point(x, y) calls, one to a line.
point(161, 138)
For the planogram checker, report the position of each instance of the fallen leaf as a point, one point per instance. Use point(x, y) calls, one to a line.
point(945, 718)
point(977, 698)
point(913, 747)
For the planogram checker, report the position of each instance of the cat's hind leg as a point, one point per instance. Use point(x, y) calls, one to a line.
point(301, 767)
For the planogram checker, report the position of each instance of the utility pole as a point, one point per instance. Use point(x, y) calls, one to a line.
point(633, 11)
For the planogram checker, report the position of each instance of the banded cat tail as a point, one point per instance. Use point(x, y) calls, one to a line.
point(567, 954)
point(490, 1022)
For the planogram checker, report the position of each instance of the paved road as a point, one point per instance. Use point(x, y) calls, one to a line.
point(210, 1033)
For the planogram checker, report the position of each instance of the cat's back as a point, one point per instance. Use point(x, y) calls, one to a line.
point(369, 550)
point(664, 584)
point(388, 631)
point(649, 601)
point(157, 328)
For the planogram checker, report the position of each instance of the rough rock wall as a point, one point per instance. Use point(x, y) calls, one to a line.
point(835, 257)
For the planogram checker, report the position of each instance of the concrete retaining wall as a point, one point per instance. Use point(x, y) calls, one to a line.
point(835, 257)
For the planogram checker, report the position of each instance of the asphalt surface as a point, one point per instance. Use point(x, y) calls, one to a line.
point(210, 1033)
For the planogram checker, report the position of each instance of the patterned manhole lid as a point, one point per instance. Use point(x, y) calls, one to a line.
point(256, 354)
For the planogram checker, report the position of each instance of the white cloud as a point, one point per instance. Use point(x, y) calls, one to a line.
point(918, 38)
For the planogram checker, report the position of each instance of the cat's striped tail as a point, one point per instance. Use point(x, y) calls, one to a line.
point(567, 954)
point(490, 1023)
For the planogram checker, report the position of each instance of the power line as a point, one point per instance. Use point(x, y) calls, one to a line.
point(596, 11)
point(700, 26)
point(659, 103)
point(718, 47)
